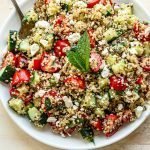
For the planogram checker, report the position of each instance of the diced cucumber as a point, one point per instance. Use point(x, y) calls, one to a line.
point(24, 46)
point(17, 105)
point(12, 40)
point(35, 79)
point(6, 74)
point(104, 101)
point(119, 68)
point(90, 100)
point(110, 35)
point(30, 16)
point(103, 82)
point(34, 114)
point(100, 112)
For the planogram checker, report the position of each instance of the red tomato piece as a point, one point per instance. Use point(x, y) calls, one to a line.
point(46, 1)
point(60, 47)
point(95, 62)
point(139, 80)
point(118, 83)
point(21, 76)
point(110, 127)
point(92, 39)
point(37, 64)
point(14, 92)
point(97, 125)
point(92, 3)
point(75, 82)
point(59, 20)
point(21, 61)
point(146, 64)
point(50, 63)
point(127, 116)
point(9, 59)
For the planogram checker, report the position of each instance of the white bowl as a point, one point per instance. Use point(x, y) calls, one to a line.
point(46, 136)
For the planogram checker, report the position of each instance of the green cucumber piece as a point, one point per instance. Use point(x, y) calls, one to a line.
point(12, 40)
point(6, 74)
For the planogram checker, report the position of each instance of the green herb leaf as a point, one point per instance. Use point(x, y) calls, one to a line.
point(79, 56)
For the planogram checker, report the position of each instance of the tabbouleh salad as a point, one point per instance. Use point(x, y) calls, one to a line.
point(84, 68)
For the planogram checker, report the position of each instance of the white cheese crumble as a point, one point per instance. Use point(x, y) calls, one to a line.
point(120, 106)
point(34, 48)
point(105, 52)
point(51, 119)
point(40, 93)
point(56, 76)
point(44, 42)
point(105, 73)
point(132, 51)
point(73, 38)
point(138, 111)
point(147, 31)
point(80, 4)
point(42, 24)
point(68, 101)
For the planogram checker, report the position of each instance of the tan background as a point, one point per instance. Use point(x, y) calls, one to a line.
point(12, 138)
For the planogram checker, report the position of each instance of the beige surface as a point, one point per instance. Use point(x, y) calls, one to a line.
point(12, 138)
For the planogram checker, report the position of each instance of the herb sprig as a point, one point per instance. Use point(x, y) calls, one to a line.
point(79, 55)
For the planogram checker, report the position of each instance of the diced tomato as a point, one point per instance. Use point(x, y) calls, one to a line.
point(60, 47)
point(27, 99)
point(9, 59)
point(146, 64)
point(142, 34)
point(127, 115)
point(97, 125)
point(75, 82)
point(139, 80)
point(92, 3)
point(95, 62)
point(37, 64)
point(110, 127)
point(21, 61)
point(21, 76)
point(118, 83)
point(46, 1)
point(50, 95)
point(50, 63)
point(14, 92)
point(92, 39)
point(59, 20)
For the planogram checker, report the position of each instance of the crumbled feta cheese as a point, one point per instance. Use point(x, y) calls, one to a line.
point(105, 72)
point(42, 24)
point(132, 51)
point(103, 42)
point(124, 55)
point(51, 119)
point(73, 38)
point(80, 4)
point(40, 93)
point(128, 93)
point(138, 111)
point(147, 31)
point(68, 101)
point(71, 22)
point(44, 42)
point(34, 48)
point(105, 52)
point(120, 106)
point(58, 1)
point(56, 76)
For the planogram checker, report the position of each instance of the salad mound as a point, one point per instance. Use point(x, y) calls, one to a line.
point(85, 67)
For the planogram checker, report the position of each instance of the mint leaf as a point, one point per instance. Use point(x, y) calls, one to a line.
point(79, 55)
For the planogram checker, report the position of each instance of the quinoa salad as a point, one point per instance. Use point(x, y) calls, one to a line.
point(85, 67)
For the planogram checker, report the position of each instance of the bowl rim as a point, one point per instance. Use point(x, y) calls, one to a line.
point(140, 121)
